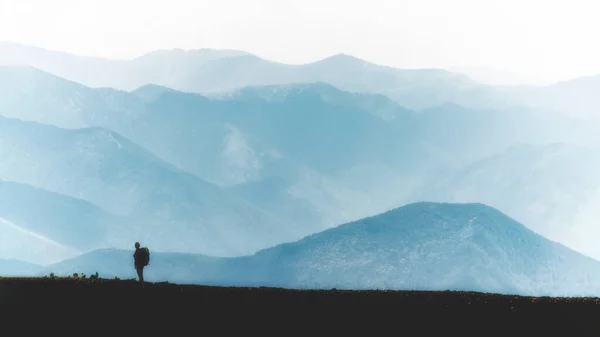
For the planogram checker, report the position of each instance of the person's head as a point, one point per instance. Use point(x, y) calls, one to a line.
point(137, 245)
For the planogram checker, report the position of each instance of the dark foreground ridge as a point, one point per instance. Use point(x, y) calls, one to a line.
point(120, 305)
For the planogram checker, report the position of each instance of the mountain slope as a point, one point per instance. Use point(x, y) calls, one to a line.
point(341, 155)
point(577, 97)
point(226, 136)
point(494, 76)
point(34, 95)
point(361, 144)
point(239, 140)
point(210, 70)
point(301, 125)
point(16, 242)
point(67, 221)
point(459, 135)
point(341, 71)
point(431, 246)
point(426, 246)
point(14, 268)
point(553, 188)
point(212, 138)
point(158, 67)
point(165, 207)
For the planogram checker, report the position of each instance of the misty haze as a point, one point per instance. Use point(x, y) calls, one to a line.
point(250, 159)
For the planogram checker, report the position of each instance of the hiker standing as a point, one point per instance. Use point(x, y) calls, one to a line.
point(141, 259)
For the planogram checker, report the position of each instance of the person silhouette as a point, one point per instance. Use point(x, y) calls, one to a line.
point(141, 258)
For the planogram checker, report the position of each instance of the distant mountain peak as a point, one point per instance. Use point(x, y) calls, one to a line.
point(23, 69)
point(192, 52)
point(446, 107)
point(431, 206)
point(151, 92)
point(147, 87)
point(343, 58)
point(436, 204)
point(420, 218)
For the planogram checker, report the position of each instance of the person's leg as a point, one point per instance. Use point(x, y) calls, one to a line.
point(140, 272)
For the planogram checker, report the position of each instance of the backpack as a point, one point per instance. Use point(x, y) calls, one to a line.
point(144, 256)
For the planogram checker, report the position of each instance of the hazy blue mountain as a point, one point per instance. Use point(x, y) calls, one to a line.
point(108, 263)
point(230, 134)
point(237, 140)
point(273, 194)
point(301, 126)
point(346, 155)
point(306, 197)
point(16, 242)
point(230, 139)
point(150, 92)
point(167, 208)
point(578, 97)
point(226, 142)
point(554, 189)
point(159, 67)
point(247, 139)
point(33, 95)
point(30, 94)
point(460, 135)
point(418, 246)
point(168, 67)
point(215, 71)
point(209, 70)
point(237, 72)
point(58, 219)
point(412, 88)
point(16, 268)
point(496, 77)
point(271, 152)
point(210, 137)
point(77, 68)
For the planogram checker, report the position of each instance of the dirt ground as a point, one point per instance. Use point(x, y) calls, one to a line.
point(121, 307)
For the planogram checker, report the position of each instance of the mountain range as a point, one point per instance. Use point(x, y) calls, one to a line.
point(238, 170)
point(422, 246)
point(553, 188)
point(156, 202)
point(211, 71)
point(41, 226)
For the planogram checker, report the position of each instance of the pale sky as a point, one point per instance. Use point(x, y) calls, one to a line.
point(547, 39)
